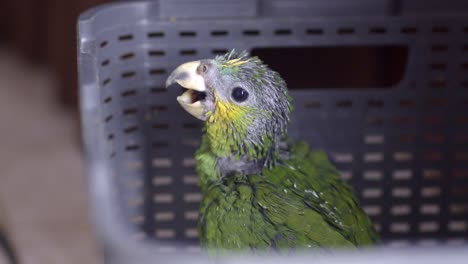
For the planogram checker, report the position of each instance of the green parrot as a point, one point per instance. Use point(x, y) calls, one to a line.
point(262, 190)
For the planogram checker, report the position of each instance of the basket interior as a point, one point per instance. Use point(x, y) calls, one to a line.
point(402, 146)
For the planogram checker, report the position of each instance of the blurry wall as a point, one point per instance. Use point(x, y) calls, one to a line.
point(44, 32)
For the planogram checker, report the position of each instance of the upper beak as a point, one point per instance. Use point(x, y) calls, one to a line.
point(186, 75)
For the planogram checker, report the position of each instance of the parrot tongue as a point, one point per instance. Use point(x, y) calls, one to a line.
point(191, 101)
point(191, 97)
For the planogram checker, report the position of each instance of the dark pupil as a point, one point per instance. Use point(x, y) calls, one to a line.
point(239, 94)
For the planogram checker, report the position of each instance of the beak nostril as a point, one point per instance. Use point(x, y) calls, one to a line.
point(202, 68)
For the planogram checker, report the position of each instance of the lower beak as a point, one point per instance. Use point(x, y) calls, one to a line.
point(186, 75)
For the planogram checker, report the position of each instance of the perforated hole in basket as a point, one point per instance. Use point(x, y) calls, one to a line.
point(251, 32)
point(314, 31)
point(346, 31)
point(219, 33)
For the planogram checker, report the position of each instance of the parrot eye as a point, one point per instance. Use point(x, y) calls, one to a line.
point(239, 94)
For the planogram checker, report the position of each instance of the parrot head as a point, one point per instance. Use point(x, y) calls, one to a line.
point(244, 104)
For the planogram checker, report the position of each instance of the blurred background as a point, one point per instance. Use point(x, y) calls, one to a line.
point(42, 180)
point(43, 32)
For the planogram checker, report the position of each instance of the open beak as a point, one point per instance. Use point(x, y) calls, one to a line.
point(186, 75)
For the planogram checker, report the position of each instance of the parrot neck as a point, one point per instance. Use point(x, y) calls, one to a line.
point(234, 131)
point(242, 139)
point(228, 142)
point(239, 154)
point(242, 158)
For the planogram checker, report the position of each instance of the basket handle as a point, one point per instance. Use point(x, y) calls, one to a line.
point(189, 9)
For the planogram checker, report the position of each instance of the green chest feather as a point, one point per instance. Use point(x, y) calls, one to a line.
point(299, 203)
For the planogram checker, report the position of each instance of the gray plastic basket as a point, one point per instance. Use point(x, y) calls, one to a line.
point(403, 148)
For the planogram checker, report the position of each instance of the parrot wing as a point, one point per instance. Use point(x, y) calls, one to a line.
point(311, 176)
point(300, 203)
